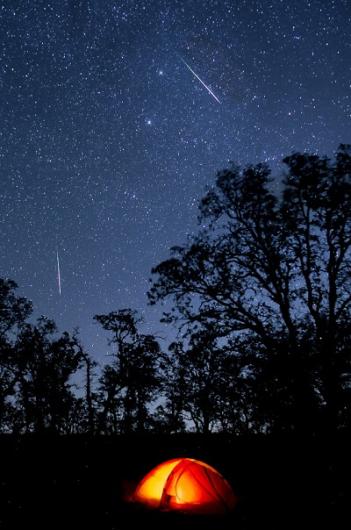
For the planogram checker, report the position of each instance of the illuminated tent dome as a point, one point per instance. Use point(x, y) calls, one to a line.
point(187, 485)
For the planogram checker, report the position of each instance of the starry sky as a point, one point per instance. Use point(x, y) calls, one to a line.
point(108, 140)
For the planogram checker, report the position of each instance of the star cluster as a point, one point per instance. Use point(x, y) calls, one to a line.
point(107, 140)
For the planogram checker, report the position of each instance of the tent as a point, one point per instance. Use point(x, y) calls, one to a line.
point(185, 484)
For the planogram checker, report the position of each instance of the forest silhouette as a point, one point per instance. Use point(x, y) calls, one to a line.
point(257, 383)
point(261, 297)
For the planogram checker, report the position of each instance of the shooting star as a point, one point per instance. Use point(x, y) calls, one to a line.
point(201, 81)
point(58, 273)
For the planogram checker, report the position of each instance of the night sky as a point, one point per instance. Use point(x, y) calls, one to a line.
point(108, 140)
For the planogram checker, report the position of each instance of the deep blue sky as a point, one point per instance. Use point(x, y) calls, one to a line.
point(107, 140)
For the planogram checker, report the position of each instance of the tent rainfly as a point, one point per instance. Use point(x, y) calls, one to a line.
point(187, 485)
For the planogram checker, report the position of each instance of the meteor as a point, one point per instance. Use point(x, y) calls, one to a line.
point(201, 81)
point(58, 272)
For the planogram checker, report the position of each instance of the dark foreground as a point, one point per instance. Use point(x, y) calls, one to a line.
point(79, 482)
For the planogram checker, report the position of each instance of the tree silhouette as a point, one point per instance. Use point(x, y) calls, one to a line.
point(129, 385)
point(199, 379)
point(169, 416)
point(44, 366)
point(90, 402)
point(206, 386)
point(110, 399)
point(13, 312)
point(276, 273)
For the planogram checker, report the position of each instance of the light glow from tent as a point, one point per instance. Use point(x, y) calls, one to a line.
point(187, 485)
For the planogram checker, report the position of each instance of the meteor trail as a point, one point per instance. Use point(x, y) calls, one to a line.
point(58, 272)
point(199, 79)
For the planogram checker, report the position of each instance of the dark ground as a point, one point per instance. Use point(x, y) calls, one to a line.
point(78, 482)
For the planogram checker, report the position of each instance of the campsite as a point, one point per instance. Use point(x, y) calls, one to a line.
point(175, 264)
point(83, 482)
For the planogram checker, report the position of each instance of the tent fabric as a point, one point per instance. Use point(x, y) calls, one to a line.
point(185, 484)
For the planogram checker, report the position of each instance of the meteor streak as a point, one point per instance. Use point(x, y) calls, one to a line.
point(58, 273)
point(201, 81)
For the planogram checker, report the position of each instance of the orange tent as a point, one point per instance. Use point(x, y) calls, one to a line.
point(187, 485)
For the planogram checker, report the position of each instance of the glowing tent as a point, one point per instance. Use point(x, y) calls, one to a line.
point(187, 485)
